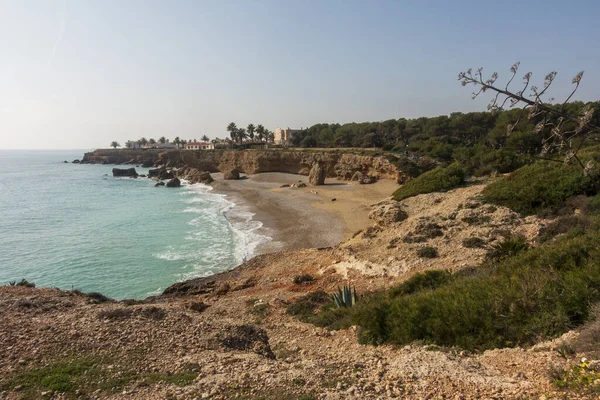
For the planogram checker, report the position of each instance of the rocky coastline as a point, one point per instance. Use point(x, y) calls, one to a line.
point(230, 335)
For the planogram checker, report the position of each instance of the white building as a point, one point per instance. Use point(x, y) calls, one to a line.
point(199, 146)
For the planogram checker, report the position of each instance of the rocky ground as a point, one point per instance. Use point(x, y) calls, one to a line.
point(228, 336)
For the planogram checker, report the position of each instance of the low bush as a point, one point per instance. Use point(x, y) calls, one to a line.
point(303, 279)
point(22, 283)
point(425, 280)
point(319, 309)
point(437, 180)
point(510, 246)
point(427, 252)
point(473, 243)
point(541, 187)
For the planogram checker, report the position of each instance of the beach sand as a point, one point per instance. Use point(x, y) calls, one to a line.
point(297, 218)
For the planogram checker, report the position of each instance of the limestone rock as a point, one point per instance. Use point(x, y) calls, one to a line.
point(160, 184)
point(128, 172)
point(387, 213)
point(231, 174)
point(316, 176)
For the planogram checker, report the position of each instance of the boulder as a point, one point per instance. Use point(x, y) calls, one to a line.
point(204, 177)
point(316, 176)
point(147, 164)
point(387, 212)
point(161, 183)
point(246, 338)
point(127, 172)
point(232, 174)
point(65, 162)
point(367, 179)
point(160, 173)
point(175, 182)
point(76, 161)
point(142, 175)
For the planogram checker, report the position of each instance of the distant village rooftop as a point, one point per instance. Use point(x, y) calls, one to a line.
point(199, 146)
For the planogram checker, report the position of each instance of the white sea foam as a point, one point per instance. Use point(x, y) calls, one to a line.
point(247, 235)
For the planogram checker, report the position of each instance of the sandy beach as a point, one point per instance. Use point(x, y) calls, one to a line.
point(297, 218)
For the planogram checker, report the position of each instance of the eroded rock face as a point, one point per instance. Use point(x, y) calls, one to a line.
point(316, 177)
point(387, 213)
point(231, 174)
point(175, 182)
point(128, 172)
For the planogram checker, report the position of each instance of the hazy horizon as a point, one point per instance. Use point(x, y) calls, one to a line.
point(78, 75)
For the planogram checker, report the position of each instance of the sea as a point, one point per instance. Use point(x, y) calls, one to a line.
point(75, 226)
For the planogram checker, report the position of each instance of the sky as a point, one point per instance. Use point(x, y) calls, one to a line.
point(78, 74)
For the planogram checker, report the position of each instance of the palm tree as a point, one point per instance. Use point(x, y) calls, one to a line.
point(232, 129)
point(251, 129)
point(176, 141)
point(152, 141)
point(162, 140)
point(270, 136)
point(114, 145)
point(205, 138)
point(143, 141)
point(260, 132)
point(129, 144)
point(241, 135)
point(183, 143)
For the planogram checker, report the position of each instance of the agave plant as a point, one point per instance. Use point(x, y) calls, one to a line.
point(345, 297)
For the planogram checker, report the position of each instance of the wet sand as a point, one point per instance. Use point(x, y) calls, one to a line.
point(297, 218)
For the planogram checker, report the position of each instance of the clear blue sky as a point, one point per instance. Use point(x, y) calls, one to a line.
point(79, 74)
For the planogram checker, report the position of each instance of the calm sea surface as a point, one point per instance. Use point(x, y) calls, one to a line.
point(75, 226)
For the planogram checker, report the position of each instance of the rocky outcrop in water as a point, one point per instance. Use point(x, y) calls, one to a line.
point(175, 182)
point(160, 174)
point(128, 172)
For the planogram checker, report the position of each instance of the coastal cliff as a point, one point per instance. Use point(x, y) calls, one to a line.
point(338, 164)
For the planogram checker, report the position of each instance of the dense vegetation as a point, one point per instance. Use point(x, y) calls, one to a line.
point(477, 140)
point(437, 180)
point(543, 186)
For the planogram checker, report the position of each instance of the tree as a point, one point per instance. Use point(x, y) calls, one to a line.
point(260, 132)
point(241, 135)
point(251, 129)
point(564, 134)
point(177, 141)
point(233, 131)
point(270, 136)
point(152, 141)
point(114, 145)
point(183, 143)
point(162, 140)
point(205, 138)
point(129, 144)
point(143, 141)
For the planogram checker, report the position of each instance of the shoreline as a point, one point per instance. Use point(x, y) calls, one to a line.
point(300, 218)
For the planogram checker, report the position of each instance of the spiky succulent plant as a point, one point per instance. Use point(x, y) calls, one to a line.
point(345, 297)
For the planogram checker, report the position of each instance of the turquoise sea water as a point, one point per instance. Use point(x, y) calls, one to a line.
point(75, 226)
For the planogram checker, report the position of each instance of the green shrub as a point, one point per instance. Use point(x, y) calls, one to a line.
point(510, 246)
point(422, 281)
point(535, 295)
point(427, 252)
point(437, 180)
point(543, 186)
